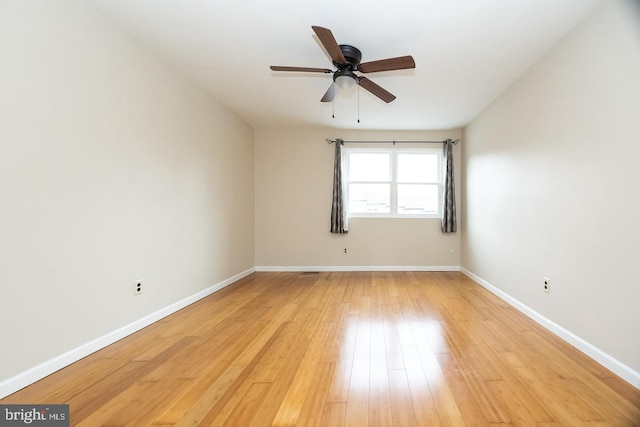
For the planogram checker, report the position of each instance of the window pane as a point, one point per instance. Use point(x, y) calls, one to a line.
point(417, 199)
point(369, 167)
point(369, 198)
point(417, 167)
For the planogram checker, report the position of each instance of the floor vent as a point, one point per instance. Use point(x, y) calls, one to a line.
point(307, 273)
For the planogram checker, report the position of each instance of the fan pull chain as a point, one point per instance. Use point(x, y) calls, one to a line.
point(333, 101)
point(358, 102)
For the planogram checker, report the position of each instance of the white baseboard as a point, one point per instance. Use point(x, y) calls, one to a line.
point(36, 373)
point(270, 268)
point(625, 372)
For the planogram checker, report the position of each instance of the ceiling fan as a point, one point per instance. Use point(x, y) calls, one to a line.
point(347, 59)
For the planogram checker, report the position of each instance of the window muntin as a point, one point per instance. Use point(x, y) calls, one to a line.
point(394, 182)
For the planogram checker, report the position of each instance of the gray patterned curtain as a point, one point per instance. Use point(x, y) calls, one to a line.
point(339, 223)
point(449, 205)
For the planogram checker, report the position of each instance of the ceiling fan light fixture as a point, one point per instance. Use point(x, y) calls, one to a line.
point(345, 79)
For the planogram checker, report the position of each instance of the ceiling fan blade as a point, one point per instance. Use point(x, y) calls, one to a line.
point(331, 93)
point(329, 42)
point(399, 63)
point(301, 69)
point(375, 89)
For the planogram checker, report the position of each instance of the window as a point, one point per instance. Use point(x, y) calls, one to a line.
point(393, 182)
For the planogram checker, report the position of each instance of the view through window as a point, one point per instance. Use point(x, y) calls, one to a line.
point(393, 182)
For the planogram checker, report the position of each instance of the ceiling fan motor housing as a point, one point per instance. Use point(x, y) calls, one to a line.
point(352, 55)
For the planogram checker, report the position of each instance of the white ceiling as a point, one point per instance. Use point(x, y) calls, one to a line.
point(466, 52)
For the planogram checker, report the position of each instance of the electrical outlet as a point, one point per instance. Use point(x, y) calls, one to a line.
point(546, 284)
point(137, 287)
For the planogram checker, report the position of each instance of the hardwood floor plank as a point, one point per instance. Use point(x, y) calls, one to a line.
point(341, 349)
point(424, 406)
point(345, 340)
point(442, 390)
point(200, 405)
point(302, 383)
point(379, 390)
point(601, 405)
point(357, 412)
point(268, 409)
point(192, 360)
point(244, 413)
point(312, 411)
point(468, 402)
point(136, 404)
point(557, 399)
point(109, 388)
point(630, 395)
point(404, 414)
point(65, 384)
point(105, 414)
point(515, 410)
point(218, 376)
point(334, 415)
point(530, 403)
point(359, 388)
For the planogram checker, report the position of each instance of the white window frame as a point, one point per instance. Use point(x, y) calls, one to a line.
point(393, 152)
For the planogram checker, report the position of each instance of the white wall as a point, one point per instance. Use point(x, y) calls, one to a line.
point(552, 184)
point(113, 168)
point(294, 175)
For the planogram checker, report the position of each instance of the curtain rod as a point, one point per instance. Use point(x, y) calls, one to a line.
point(331, 141)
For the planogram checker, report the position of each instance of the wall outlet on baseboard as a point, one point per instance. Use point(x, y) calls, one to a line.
point(546, 284)
point(137, 287)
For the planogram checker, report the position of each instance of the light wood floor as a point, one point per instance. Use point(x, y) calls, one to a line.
point(342, 349)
